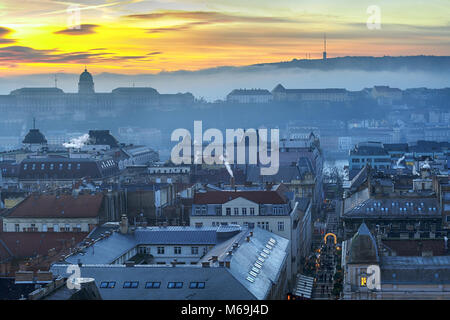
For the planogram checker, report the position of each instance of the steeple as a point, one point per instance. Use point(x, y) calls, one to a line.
point(324, 46)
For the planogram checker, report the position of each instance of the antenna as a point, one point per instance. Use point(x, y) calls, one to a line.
point(34, 123)
point(56, 81)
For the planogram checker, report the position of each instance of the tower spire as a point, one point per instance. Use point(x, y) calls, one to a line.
point(324, 46)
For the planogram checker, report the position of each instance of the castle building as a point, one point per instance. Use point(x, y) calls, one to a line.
point(52, 102)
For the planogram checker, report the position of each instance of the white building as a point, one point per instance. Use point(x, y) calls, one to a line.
point(274, 210)
point(250, 96)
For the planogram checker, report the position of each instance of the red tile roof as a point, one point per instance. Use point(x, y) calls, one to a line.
point(28, 244)
point(221, 197)
point(62, 206)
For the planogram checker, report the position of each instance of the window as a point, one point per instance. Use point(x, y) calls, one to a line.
point(280, 225)
point(218, 211)
point(60, 166)
point(177, 250)
point(228, 211)
point(236, 211)
point(56, 227)
point(44, 228)
point(175, 285)
point(42, 166)
point(363, 281)
point(152, 285)
point(252, 211)
point(160, 250)
point(78, 166)
point(194, 250)
point(197, 285)
point(131, 284)
point(108, 284)
point(244, 211)
point(16, 228)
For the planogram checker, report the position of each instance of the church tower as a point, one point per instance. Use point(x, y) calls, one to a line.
point(86, 83)
point(324, 47)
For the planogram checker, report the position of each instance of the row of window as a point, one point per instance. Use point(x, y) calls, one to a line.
point(46, 228)
point(235, 211)
point(260, 224)
point(51, 166)
point(162, 250)
point(151, 285)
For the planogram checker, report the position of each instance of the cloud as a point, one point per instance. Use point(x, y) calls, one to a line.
point(84, 29)
point(198, 18)
point(206, 16)
point(4, 32)
point(20, 54)
point(180, 27)
point(154, 53)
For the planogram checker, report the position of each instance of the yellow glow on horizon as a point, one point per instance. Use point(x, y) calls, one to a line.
point(217, 33)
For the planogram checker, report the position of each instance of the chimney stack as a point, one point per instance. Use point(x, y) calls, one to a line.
point(232, 183)
point(124, 224)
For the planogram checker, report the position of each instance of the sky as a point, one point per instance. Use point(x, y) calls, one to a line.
point(148, 37)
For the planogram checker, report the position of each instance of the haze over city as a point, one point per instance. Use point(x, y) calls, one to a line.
point(224, 150)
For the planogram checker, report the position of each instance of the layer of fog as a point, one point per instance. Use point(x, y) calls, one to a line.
point(217, 83)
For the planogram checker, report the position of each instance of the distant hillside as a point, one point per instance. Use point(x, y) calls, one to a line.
point(386, 63)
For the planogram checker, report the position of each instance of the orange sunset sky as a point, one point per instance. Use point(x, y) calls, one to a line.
point(140, 36)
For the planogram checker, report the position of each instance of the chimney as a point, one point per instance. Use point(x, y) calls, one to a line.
point(44, 276)
point(124, 224)
point(174, 262)
point(247, 239)
point(80, 264)
point(214, 258)
point(24, 276)
point(251, 233)
point(232, 183)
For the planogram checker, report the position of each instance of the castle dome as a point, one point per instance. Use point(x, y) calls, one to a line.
point(86, 83)
point(86, 76)
point(34, 136)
